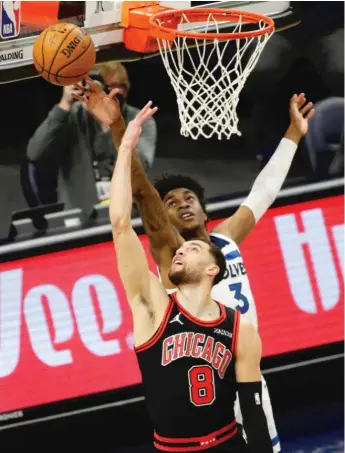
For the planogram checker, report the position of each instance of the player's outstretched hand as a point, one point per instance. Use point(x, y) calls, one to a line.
point(104, 107)
point(133, 131)
point(300, 113)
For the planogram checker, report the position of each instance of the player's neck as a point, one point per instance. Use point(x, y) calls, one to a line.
point(199, 232)
point(197, 300)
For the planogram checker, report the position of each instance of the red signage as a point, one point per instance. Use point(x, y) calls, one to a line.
point(66, 329)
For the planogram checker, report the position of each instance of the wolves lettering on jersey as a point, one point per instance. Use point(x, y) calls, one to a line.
point(234, 291)
point(196, 345)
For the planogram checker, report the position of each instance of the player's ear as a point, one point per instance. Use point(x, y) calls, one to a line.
point(205, 217)
point(212, 270)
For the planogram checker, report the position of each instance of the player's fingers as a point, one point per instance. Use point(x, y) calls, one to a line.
point(113, 92)
point(294, 104)
point(147, 114)
point(77, 97)
point(301, 100)
point(78, 86)
point(306, 108)
point(298, 99)
point(151, 112)
point(310, 114)
point(93, 85)
point(144, 109)
point(140, 118)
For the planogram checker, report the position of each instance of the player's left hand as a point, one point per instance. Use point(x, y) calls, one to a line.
point(300, 113)
point(104, 107)
point(133, 131)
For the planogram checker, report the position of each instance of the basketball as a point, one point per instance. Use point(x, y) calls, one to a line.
point(63, 54)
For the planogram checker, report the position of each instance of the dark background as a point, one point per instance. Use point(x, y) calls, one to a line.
point(224, 167)
point(26, 103)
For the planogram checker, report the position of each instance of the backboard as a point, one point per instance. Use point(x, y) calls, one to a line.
point(22, 22)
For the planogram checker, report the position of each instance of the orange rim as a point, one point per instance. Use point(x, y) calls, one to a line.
point(159, 30)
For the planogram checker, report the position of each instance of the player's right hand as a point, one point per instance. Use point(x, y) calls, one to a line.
point(133, 131)
point(300, 113)
point(104, 107)
point(67, 98)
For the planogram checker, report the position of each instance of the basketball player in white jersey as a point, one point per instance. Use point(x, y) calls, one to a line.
point(182, 215)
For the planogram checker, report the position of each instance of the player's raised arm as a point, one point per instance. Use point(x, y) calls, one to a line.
point(269, 182)
point(248, 376)
point(164, 239)
point(131, 258)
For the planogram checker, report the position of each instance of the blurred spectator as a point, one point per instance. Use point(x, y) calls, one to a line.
point(71, 156)
point(325, 139)
point(311, 53)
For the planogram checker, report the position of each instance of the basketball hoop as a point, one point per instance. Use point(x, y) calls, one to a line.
point(208, 81)
point(207, 67)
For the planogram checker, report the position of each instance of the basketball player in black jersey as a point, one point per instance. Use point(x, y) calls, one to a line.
point(194, 353)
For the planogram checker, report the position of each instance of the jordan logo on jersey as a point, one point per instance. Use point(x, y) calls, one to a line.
point(177, 319)
point(197, 345)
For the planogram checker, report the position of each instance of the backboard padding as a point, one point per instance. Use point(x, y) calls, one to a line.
point(102, 21)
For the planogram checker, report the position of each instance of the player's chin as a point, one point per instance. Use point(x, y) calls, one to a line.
point(176, 276)
point(189, 225)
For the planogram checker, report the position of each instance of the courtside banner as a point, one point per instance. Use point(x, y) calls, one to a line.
point(66, 329)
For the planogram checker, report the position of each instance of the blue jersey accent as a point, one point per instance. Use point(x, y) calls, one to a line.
point(232, 255)
point(219, 242)
point(234, 291)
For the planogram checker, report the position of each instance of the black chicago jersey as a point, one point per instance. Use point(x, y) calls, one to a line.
point(189, 379)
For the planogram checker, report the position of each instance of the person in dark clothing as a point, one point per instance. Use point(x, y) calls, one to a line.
point(71, 155)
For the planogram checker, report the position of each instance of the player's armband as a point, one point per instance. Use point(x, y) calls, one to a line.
point(254, 419)
point(270, 180)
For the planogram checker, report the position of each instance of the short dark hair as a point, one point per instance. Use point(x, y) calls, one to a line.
point(221, 263)
point(170, 182)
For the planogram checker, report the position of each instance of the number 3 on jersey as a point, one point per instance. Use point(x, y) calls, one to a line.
point(201, 385)
point(243, 306)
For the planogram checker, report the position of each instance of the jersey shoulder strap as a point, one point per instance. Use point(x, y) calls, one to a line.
point(220, 240)
point(227, 245)
point(233, 319)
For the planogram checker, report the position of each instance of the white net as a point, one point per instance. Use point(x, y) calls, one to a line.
point(208, 77)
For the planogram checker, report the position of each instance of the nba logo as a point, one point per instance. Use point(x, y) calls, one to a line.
point(9, 19)
point(257, 399)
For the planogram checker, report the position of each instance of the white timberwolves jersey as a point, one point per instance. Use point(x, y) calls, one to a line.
point(234, 291)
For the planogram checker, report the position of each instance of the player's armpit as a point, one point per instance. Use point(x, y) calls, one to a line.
point(238, 226)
